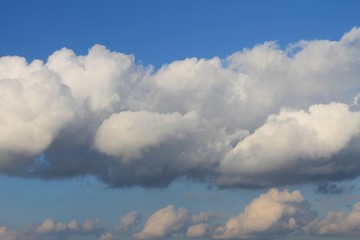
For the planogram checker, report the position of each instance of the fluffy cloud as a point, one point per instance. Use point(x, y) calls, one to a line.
point(128, 134)
point(129, 220)
point(35, 105)
point(170, 222)
point(272, 213)
point(106, 236)
point(198, 231)
point(165, 223)
point(292, 139)
point(50, 227)
point(338, 223)
point(263, 116)
point(6, 234)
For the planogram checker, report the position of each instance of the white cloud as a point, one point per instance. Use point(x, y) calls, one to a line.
point(129, 220)
point(165, 223)
point(106, 236)
point(198, 231)
point(98, 79)
point(50, 229)
point(6, 234)
point(290, 138)
point(49, 226)
point(263, 116)
point(336, 223)
point(272, 213)
point(35, 105)
point(129, 134)
point(169, 222)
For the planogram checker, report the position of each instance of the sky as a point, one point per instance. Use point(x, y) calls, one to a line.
point(179, 120)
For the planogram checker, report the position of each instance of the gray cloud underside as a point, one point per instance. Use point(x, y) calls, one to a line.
point(262, 117)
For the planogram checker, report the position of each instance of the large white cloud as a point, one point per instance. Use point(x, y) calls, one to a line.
point(291, 138)
point(263, 116)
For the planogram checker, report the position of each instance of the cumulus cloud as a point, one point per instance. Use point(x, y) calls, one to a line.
point(49, 226)
point(106, 236)
point(274, 212)
point(165, 223)
point(170, 222)
point(273, 215)
point(51, 229)
point(128, 134)
point(7, 234)
point(290, 140)
point(128, 221)
point(198, 231)
point(35, 105)
point(337, 223)
point(263, 116)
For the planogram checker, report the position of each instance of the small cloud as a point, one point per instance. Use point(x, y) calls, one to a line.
point(198, 231)
point(128, 221)
point(336, 223)
point(275, 212)
point(106, 236)
point(165, 223)
point(50, 227)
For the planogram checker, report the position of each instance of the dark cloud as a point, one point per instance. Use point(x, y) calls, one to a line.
point(325, 187)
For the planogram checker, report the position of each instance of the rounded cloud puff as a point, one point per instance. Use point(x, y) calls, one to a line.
point(128, 134)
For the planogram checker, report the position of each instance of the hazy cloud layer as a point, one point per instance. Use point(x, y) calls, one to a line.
point(262, 117)
point(50, 229)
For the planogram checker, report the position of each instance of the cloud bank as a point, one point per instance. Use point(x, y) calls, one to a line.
point(50, 229)
point(272, 215)
point(262, 117)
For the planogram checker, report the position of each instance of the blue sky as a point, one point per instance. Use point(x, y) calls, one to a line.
point(160, 32)
point(178, 108)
